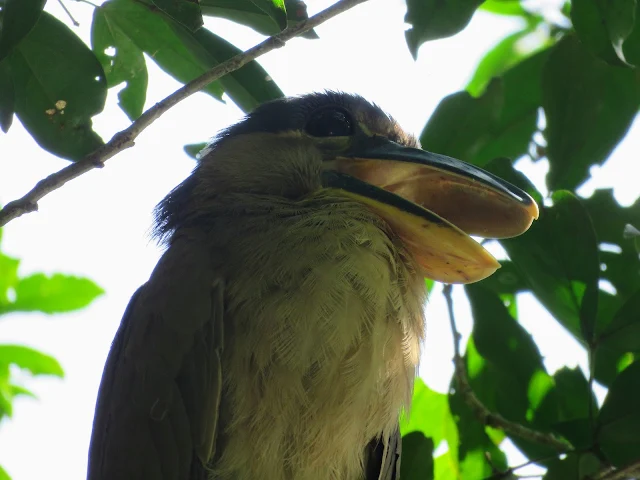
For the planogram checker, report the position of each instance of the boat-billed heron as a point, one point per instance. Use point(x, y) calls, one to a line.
point(279, 334)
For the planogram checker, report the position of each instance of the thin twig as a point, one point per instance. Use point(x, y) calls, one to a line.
point(630, 471)
point(484, 415)
point(66, 10)
point(125, 138)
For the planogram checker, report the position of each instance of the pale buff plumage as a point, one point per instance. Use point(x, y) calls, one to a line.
point(324, 320)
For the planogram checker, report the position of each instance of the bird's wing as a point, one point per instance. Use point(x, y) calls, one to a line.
point(157, 410)
point(383, 458)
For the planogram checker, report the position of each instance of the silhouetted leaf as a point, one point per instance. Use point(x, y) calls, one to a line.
point(124, 63)
point(623, 333)
point(248, 86)
point(36, 362)
point(559, 258)
point(7, 96)
point(246, 12)
point(432, 19)
point(156, 34)
point(609, 219)
point(501, 122)
point(59, 85)
point(186, 55)
point(589, 106)
point(185, 12)
point(417, 457)
point(18, 18)
point(574, 466)
point(55, 294)
point(603, 26)
point(619, 419)
point(565, 408)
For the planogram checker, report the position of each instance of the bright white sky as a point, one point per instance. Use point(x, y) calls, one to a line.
point(98, 225)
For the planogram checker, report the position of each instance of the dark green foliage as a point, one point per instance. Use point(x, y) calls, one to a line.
point(569, 96)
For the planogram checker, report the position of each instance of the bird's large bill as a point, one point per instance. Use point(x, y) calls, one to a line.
point(433, 203)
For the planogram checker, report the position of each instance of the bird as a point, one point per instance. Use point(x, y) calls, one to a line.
point(278, 337)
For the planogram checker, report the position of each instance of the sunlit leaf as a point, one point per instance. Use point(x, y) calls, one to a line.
point(502, 56)
point(55, 294)
point(36, 362)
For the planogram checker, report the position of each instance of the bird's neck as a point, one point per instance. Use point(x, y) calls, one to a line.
point(326, 323)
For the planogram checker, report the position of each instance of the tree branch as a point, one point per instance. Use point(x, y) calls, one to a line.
point(484, 415)
point(125, 138)
point(630, 471)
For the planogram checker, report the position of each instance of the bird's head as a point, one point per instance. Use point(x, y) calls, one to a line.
point(295, 148)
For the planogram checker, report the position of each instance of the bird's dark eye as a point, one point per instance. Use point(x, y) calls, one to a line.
point(330, 122)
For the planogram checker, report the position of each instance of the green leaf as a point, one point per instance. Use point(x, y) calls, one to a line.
point(430, 416)
point(127, 63)
point(433, 19)
point(461, 124)
point(507, 280)
point(417, 457)
point(3, 474)
point(59, 85)
point(475, 446)
point(245, 12)
point(8, 277)
point(609, 219)
point(7, 97)
point(56, 294)
point(589, 106)
point(631, 46)
point(566, 408)
point(19, 17)
point(509, 350)
point(248, 86)
point(501, 57)
point(559, 258)
point(619, 419)
point(505, 7)
point(275, 9)
point(603, 26)
point(623, 333)
point(185, 12)
point(573, 466)
point(501, 122)
point(156, 34)
point(193, 149)
point(36, 362)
